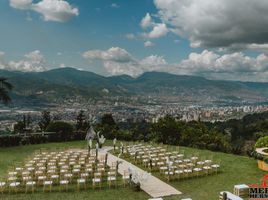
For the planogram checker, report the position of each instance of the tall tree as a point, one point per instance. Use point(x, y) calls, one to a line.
point(45, 120)
point(108, 126)
point(81, 123)
point(20, 126)
point(5, 88)
point(107, 119)
point(28, 120)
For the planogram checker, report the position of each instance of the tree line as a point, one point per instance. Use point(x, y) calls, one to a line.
point(236, 136)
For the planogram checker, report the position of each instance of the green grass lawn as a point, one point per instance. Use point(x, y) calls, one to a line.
point(9, 156)
point(234, 170)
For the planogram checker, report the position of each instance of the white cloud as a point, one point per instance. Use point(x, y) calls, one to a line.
point(118, 61)
point(51, 10)
point(117, 68)
point(115, 5)
point(55, 10)
point(236, 66)
point(159, 30)
point(153, 60)
point(115, 60)
point(149, 44)
point(146, 21)
point(115, 54)
point(20, 4)
point(33, 62)
point(221, 23)
point(232, 66)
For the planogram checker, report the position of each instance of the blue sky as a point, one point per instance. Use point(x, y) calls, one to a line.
point(206, 38)
point(98, 26)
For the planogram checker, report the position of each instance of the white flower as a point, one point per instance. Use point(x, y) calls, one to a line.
point(102, 139)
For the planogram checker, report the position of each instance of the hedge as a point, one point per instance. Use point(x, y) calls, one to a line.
point(262, 142)
point(16, 140)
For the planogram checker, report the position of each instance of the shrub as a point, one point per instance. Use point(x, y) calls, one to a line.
point(10, 140)
point(63, 129)
point(262, 142)
point(124, 135)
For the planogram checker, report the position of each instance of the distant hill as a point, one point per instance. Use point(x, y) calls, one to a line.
point(64, 83)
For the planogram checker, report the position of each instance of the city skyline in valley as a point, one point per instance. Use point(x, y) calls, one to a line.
point(220, 39)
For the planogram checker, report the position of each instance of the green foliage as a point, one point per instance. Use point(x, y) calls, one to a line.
point(5, 88)
point(194, 134)
point(64, 129)
point(260, 134)
point(250, 127)
point(19, 127)
point(137, 131)
point(124, 134)
point(10, 140)
point(167, 130)
point(45, 120)
point(107, 119)
point(262, 142)
point(81, 123)
point(108, 128)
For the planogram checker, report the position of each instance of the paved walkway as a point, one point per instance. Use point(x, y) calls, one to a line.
point(153, 186)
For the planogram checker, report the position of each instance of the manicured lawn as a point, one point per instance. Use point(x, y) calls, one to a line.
point(9, 156)
point(234, 170)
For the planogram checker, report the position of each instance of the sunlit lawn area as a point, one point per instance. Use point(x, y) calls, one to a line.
point(8, 156)
point(234, 170)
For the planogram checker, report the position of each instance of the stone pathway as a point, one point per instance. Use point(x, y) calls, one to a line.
point(153, 186)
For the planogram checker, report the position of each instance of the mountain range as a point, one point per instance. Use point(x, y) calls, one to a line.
point(69, 83)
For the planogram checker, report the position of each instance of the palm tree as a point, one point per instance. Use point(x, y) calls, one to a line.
point(5, 88)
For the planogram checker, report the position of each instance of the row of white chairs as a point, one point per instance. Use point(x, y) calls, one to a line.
point(61, 169)
point(173, 165)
